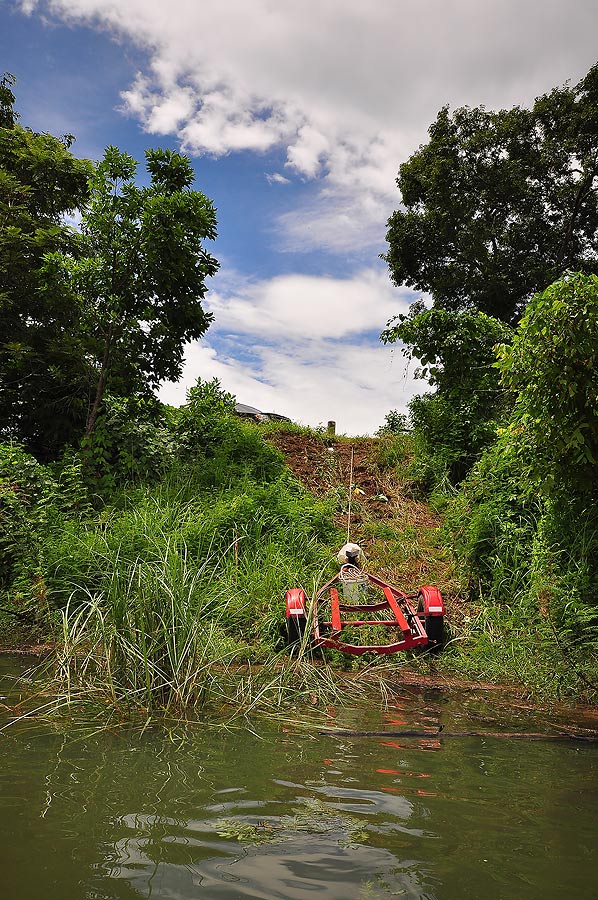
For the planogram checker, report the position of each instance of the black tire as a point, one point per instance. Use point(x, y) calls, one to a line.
point(434, 626)
point(296, 627)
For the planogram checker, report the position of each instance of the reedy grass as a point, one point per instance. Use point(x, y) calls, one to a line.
point(174, 603)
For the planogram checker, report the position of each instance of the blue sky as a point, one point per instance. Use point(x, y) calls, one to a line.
point(296, 115)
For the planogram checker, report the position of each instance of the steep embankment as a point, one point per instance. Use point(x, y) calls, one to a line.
point(400, 535)
point(403, 541)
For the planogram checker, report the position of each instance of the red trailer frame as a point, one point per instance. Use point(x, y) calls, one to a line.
point(418, 628)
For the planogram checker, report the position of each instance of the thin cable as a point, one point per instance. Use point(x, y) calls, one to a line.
point(350, 495)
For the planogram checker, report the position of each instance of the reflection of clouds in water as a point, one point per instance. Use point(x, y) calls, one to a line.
point(366, 802)
point(294, 869)
point(299, 869)
point(324, 841)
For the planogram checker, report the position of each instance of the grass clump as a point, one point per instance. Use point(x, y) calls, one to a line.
point(529, 563)
point(170, 592)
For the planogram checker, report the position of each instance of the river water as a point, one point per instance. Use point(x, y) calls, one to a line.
point(292, 814)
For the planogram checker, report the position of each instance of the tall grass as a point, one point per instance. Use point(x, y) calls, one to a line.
point(174, 600)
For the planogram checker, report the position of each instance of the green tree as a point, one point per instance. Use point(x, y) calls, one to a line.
point(45, 376)
point(524, 524)
point(498, 205)
point(552, 368)
point(141, 271)
point(456, 350)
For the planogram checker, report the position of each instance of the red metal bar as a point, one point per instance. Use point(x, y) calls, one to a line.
point(384, 622)
point(398, 612)
point(357, 650)
point(366, 607)
point(336, 615)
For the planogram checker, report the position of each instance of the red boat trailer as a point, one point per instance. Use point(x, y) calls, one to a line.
point(419, 627)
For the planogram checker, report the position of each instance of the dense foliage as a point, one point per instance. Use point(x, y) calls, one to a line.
point(140, 273)
point(454, 424)
point(552, 366)
point(104, 308)
point(524, 524)
point(498, 205)
point(188, 555)
point(45, 374)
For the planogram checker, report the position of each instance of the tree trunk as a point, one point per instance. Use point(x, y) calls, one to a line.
point(105, 368)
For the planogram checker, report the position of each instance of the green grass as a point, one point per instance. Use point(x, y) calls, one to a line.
point(169, 599)
point(172, 599)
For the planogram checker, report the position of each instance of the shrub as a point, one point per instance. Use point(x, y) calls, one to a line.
point(132, 441)
point(202, 421)
point(453, 426)
point(35, 501)
point(491, 523)
point(27, 496)
point(394, 423)
point(552, 367)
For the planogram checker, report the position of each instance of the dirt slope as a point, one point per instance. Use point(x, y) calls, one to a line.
point(398, 534)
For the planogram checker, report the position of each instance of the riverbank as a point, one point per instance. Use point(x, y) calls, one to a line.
point(188, 574)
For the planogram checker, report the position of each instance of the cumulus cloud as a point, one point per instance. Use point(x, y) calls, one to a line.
point(354, 385)
point(301, 346)
point(307, 308)
point(345, 88)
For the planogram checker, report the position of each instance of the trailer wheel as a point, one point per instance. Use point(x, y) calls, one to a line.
point(296, 615)
point(296, 627)
point(434, 626)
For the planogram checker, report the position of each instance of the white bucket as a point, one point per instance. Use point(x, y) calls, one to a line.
point(354, 584)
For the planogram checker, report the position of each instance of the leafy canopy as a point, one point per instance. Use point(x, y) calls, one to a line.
point(45, 374)
point(552, 366)
point(498, 205)
point(141, 271)
point(456, 350)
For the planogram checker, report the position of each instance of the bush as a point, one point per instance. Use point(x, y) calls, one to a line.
point(27, 494)
point(243, 452)
point(394, 423)
point(552, 367)
point(201, 422)
point(219, 444)
point(132, 441)
point(34, 501)
point(491, 523)
point(453, 426)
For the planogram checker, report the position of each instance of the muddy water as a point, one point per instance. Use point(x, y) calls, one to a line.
point(286, 814)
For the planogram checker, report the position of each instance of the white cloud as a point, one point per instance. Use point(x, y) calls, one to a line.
point(310, 356)
point(354, 385)
point(308, 308)
point(342, 221)
point(346, 87)
point(307, 152)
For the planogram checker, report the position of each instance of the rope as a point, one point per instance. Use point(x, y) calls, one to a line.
point(350, 495)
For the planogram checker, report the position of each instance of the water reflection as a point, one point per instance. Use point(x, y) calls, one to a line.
point(291, 815)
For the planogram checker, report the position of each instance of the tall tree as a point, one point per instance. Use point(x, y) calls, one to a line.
point(45, 376)
point(497, 205)
point(141, 272)
point(456, 350)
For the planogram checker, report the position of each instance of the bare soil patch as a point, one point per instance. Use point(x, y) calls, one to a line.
point(398, 533)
